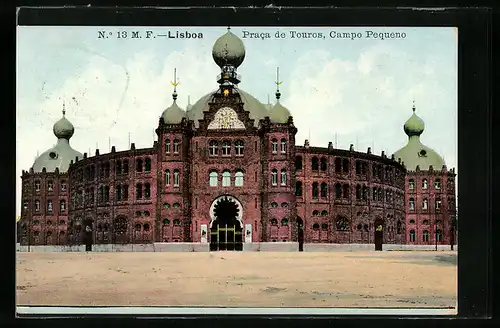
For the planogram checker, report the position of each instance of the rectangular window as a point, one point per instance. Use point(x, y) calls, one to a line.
point(49, 206)
point(37, 205)
point(176, 178)
point(50, 186)
point(62, 205)
point(176, 146)
point(37, 185)
point(438, 204)
point(63, 186)
point(283, 146)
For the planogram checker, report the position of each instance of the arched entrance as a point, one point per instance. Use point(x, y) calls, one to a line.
point(226, 227)
point(379, 234)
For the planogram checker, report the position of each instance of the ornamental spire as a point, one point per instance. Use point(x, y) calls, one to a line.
point(278, 83)
point(175, 83)
point(64, 108)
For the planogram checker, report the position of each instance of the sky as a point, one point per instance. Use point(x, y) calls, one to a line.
point(346, 90)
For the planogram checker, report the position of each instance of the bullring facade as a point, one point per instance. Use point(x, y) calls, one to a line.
point(226, 172)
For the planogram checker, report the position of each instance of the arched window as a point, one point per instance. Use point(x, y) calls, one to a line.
point(298, 162)
point(411, 184)
point(323, 165)
point(324, 213)
point(62, 205)
point(138, 165)
point(274, 177)
point(425, 236)
point(214, 179)
point(238, 148)
point(118, 167)
point(412, 204)
point(147, 191)
point(315, 213)
point(177, 222)
point(346, 191)
point(298, 188)
point(438, 204)
point(238, 178)
point(338, 191)
point(176, 178)
point(324, 227)
point(166, 222)
point(213, 148)
point(315, 226)
point(426, 222)
point(138, 213)
point(315, 190)
point(274, 145)
point(125, 167)
point(412, 221)
point(374, 193)
point(412, 236)
point(49, 206)
point(138, 191)
point(226, 178)
point(118, 190)
point(284, 222)
point(439, 235)
point(274, 222)
point(167, 146)
point(425, 204)
point(437, 184)
point(387, 195)
point(226, 148)
point(106, 193)
point(358, 192)
point(283, 146)
point(324, 190)
point(345, 165)
point(274, 204)
point(176, 146)
point(283, 177)
point(380, 194)
point(425, 185)
point(398, 227)
point(146, 227)
point(358, 167)
point(338, 165)
point(365, 193)
point(315, 164)
point(284, 205)
point(167, 177)
point(147, 165)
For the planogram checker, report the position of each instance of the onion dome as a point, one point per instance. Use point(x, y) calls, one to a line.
point(228, 50)
point(173, 114)
point(61, 155)
point(415, 153)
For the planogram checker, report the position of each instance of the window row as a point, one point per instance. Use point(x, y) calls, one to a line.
point(343, 191)
point(50, 185)
point(49, 222)
point(284, 222)
point(425, 236)
point(425, 184)
point(168, 146)
point(316, 163)
point(282, 148)
point(167, 178)
point(274, 177)
point(142, 227)
point(426, 222)
point(274, 205)
point(50, 205)
point(166, 222)
point(175, 205)
point(213, 148)
point(226, 178)
point(425, 204)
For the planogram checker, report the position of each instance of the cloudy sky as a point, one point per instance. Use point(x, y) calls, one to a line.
point(360, 90)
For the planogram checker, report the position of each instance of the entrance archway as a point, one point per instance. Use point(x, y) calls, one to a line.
point(379, 234)
point(226, 228)
point(87, 234)
point(300, 234)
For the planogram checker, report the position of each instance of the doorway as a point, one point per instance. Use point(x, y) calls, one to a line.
point(379, 234)
point(226, 231)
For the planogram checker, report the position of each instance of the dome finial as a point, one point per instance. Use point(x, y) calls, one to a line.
point(64, 107)
point(175, 83)
point(278, 83)
point(413, 107)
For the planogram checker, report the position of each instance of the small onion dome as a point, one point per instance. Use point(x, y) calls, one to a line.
point(279, 113)
point(414, 126)
point(63, 129)
point(173, 114)
point(228, 50)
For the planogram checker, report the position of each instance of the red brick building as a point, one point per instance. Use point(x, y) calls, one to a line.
point(228, 172)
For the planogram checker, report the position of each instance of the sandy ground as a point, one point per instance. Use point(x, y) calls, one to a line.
point(239, 279)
